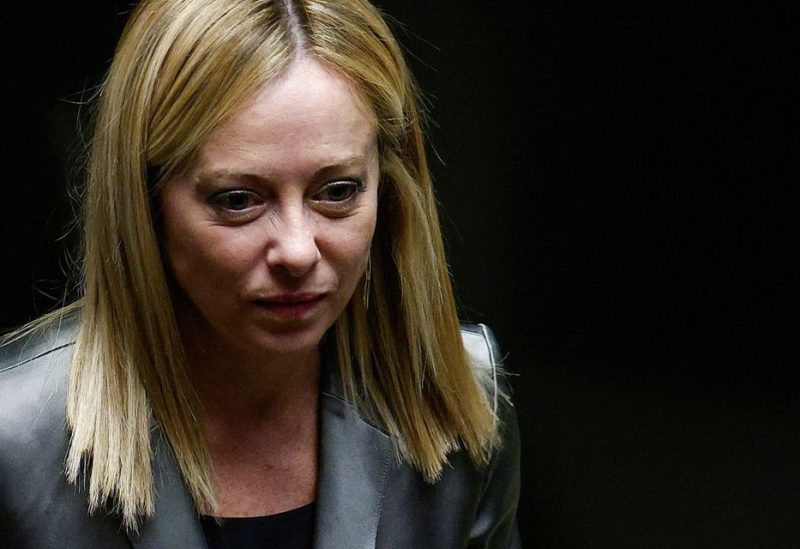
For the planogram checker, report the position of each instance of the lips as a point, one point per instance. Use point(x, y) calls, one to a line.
point(291, 306)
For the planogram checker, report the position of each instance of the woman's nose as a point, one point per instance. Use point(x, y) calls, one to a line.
point(293, 246)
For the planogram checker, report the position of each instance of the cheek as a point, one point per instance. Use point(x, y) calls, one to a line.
point(348, 247)
point(203, 257)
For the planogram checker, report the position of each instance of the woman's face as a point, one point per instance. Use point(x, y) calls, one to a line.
point(269, 231)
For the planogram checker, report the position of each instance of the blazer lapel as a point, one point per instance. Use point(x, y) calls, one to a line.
point(175, 522)
point(354, 459)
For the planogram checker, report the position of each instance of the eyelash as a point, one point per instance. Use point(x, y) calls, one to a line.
point(354, 186)
point(218, 199)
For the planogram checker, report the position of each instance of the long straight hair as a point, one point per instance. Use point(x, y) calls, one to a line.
point(182, 68)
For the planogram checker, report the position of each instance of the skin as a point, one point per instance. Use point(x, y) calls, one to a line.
point(267, 235)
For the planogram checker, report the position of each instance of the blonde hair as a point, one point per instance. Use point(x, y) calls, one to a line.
point(182, 67)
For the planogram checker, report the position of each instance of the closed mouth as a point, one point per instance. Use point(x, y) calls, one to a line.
point(292, 299)
point(294, 306)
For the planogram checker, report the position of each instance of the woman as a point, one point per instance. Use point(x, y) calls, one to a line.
point(267, 343)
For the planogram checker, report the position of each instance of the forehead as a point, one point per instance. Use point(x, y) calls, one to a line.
point(310, 114)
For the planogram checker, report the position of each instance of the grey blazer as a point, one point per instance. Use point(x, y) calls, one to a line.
point(366, 497)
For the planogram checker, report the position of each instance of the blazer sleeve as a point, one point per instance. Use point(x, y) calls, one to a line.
point(495, 524)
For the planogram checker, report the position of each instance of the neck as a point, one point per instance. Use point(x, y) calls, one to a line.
point(244, 387)
point(260, 416)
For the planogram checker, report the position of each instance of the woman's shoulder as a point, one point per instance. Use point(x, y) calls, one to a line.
point(481, 345)
point(486, 359)
point(33, 373)
point(466, 502)
point(494, 516)
point(37, 504)
point(25, 352)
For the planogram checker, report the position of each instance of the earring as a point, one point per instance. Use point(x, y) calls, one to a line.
point(367, 277)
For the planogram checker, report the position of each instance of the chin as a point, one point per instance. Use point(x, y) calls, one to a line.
point(288, 342)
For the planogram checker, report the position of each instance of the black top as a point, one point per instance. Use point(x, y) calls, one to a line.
point(292, 529)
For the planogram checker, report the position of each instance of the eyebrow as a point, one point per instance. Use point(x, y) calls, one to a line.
point(321, 173)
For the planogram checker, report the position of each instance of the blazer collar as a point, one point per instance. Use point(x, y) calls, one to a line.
point(355, 457)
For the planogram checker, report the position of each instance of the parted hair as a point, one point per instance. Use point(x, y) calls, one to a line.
point(182, 68)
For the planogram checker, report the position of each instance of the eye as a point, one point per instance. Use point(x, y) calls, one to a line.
point(340, 191)
point(235, 200)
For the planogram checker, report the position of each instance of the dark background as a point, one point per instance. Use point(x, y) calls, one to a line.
point(618, 187)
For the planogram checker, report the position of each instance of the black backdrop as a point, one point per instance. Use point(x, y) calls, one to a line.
point(617, 186)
